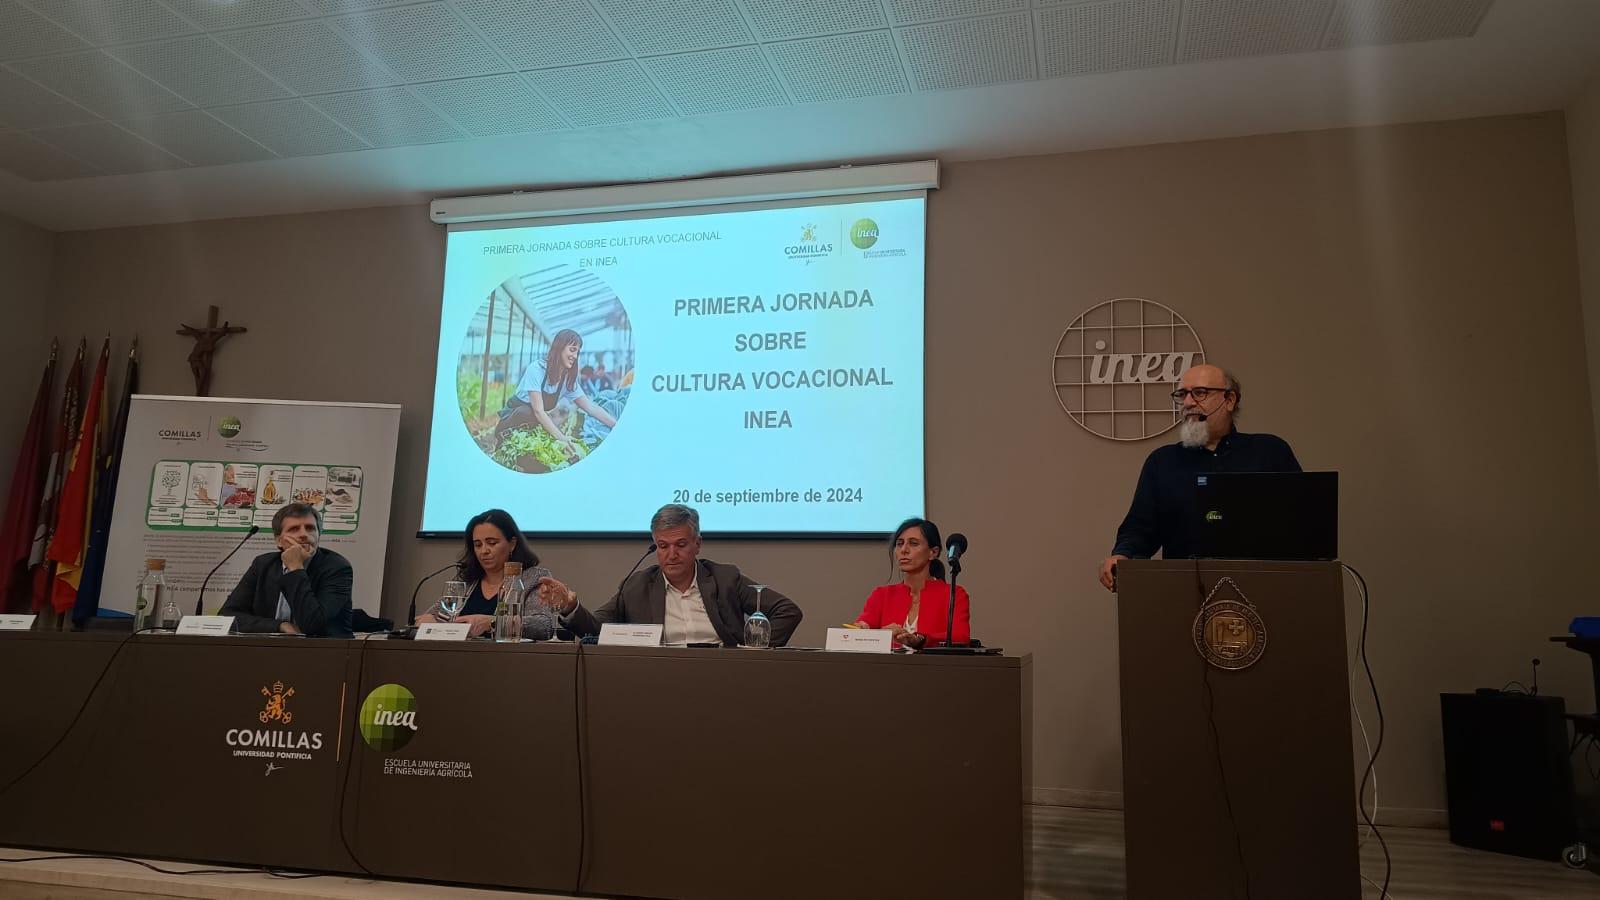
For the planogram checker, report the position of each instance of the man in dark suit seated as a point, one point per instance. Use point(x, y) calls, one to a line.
point(299, 588)
point(697, 600)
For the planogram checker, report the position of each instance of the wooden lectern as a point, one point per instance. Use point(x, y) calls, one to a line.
point(1280, 754)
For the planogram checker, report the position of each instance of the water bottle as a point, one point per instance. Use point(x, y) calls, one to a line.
point(152, 591)
point(170, 613)
point(508, 611)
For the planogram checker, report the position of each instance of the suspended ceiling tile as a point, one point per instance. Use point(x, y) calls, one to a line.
point(201, 71)
point(1360, 22)
point(1220, 29)
point(290, 128)
point(713, 81)
point(27, 157)
point(101, 84)
point(422, 43)
point(308, 57)
point(109, 148)
point(331, 7)
point(387, 117)
point(1084, 38)
point(779, 20)
point(115, 21)
point(602, 93)
point(24, 32)
point(198, 138)
point(840, 67)
point(213, 15)
point(24, 104)
point(494, 105)
point(544, 34)
point(910, 12)
point(969, 52)
point(675, 26)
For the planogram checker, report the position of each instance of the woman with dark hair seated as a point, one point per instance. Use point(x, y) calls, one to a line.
point(492, 540)
point(915, 607)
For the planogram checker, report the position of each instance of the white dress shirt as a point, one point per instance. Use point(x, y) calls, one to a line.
point(686, 619)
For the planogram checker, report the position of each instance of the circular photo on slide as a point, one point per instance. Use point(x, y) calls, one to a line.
point(546, 368)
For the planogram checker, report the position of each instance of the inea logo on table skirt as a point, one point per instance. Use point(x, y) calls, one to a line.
point(389, 717)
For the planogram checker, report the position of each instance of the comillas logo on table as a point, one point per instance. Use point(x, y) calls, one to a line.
point(271, 736)
point(389, 717)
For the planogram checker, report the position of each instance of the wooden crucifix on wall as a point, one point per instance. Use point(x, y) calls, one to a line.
point(205, 344)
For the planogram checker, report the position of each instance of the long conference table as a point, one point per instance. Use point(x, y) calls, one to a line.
point(618, 771)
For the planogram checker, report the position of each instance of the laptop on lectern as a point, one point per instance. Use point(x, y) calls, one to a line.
point(1267, 515)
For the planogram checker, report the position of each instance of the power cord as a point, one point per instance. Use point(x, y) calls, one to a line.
point(1216, 747)
point(1372, 759)
point(582, 723)
point(350, 758)
point(275, 873)
point(87, 698)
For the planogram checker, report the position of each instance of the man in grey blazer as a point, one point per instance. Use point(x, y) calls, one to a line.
point(697, 600)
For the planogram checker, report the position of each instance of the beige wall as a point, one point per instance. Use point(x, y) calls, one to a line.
point(1583, 151)
point(1402, 304)
point(24, 345)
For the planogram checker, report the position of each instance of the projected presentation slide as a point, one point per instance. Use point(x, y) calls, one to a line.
point(764, 366)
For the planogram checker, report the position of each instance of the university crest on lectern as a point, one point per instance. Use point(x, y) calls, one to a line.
point(1229, 634)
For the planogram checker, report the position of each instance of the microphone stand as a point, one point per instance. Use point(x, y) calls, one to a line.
point(409, 629)
point(199, 602)
point(950, 647)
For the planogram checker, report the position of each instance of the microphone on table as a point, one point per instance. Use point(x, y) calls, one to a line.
point(647, 551)
point(954, 547)
point(408, 628)
point(199, 601)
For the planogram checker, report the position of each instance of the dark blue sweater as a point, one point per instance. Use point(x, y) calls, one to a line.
point(1165, 510)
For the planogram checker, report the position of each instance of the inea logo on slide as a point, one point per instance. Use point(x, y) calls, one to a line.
point(389, 717)
point(809, 247)
point(271, 736)
point(229, 426)
point(864, 235)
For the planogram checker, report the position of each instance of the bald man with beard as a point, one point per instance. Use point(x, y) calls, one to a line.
point(1164, 509)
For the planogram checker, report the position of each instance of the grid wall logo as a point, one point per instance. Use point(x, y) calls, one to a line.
point(389, 717)
point(1117, 364)
point(272, 735)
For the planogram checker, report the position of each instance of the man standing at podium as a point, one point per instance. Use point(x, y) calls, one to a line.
point(1164, 512)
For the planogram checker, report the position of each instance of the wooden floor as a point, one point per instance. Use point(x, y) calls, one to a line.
point(1077, 855)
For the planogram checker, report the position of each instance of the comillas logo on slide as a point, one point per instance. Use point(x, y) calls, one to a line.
point(808, 247)
point(864, 233)
point(389, 717)
point(229, 426)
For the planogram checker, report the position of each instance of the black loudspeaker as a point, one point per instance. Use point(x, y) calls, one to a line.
point(1507, 774)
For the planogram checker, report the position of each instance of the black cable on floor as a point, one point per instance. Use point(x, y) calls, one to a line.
point(155, 868)
point(1216, 746)
point(1377, 747)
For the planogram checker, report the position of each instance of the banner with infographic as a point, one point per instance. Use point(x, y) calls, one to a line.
point(764, 365)
point(197, 472)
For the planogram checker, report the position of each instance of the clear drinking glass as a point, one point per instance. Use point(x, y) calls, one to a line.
point(455, 597)
point(757, 628)
point(539, 620)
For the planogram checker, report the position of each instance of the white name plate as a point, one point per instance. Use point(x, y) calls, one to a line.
point(860, 640)
point(613, 634)
point(205, 625)
point(16, 622)
point(443, 631)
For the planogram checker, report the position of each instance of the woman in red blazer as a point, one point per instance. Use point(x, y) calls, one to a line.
point(915, 608)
